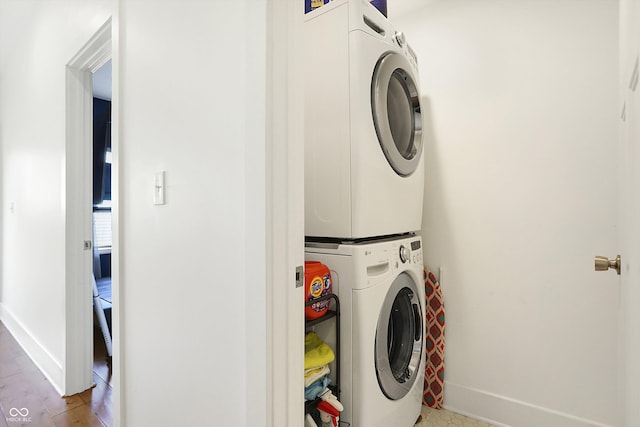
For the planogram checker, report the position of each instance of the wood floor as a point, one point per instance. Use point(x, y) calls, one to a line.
point(24, 388)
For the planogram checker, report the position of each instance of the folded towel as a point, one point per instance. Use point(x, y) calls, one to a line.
point(314, 374)
point(316, 352)
point(316, 388)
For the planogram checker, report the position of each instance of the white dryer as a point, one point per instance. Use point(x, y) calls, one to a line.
point(382, 355)
point(364, 168)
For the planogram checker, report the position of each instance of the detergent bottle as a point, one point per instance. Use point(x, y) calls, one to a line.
point(317, 281)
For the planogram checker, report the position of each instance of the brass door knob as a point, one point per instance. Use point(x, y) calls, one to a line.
point(603, 263)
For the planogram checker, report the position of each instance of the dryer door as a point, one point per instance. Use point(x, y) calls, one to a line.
point(399, 338)
point(395, 104)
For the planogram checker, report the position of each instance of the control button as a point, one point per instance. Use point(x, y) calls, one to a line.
point(405, 254)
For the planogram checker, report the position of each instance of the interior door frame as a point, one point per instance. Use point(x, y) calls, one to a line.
point(78, 356)
point(284, 215)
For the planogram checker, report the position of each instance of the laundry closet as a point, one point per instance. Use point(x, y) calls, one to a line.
point(364, 184)
point(520, 110)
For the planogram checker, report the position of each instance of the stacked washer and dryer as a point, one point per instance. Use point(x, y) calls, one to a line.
point(364, 180)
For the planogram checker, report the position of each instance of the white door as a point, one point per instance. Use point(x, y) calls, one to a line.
point(630, 212)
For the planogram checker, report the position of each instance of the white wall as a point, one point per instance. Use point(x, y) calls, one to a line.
point(191, 102)
point(520, 195)
point(37, 39)
point(192, 96)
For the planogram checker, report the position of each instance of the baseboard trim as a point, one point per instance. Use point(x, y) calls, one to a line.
point(503, 411)
point(44, 360)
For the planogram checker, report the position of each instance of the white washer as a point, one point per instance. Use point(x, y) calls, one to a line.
point(382, 300)
point(364, 167)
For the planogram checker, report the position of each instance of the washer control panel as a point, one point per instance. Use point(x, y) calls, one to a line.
point(416, 251)
point(408, 252)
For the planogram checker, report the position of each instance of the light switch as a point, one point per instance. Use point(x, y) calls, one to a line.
point(159, 189)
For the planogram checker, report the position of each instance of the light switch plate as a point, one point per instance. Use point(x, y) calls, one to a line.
point(159, 189)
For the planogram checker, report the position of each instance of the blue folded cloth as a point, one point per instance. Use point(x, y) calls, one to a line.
point(316, 388)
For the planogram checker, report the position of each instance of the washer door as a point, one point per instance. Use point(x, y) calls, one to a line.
point(395, 104)
point(399, 338)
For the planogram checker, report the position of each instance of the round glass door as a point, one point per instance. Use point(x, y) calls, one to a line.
point(395, 104)
point(399, 338)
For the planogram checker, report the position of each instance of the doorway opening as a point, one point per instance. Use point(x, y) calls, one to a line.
point(78, 365)
point(101, 224)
